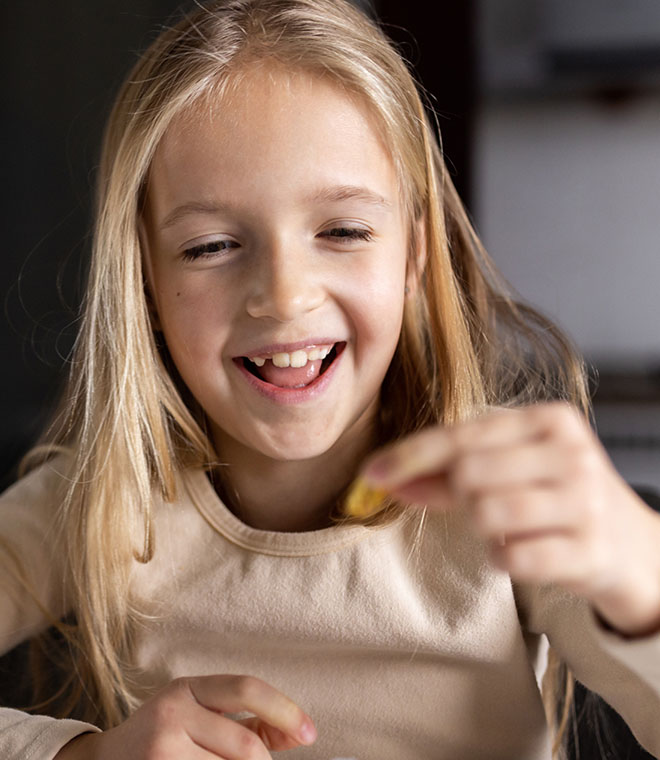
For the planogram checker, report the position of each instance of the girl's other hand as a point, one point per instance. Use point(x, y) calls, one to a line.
point(185, 721)
point(540, 489)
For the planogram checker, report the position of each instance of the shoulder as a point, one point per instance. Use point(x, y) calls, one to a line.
point(35, 497)
point(31, 557)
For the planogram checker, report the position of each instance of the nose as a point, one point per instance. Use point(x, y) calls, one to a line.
point(285, 284)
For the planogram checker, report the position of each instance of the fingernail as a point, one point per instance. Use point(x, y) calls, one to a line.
point(308, 732)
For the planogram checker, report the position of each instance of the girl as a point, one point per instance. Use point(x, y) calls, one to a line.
point(283, 281)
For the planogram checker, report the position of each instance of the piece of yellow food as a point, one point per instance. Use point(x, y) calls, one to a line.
point(363, 500)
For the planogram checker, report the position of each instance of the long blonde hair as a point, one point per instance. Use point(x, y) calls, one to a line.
point(125, 421)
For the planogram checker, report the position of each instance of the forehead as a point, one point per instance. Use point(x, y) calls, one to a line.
point(275, 125)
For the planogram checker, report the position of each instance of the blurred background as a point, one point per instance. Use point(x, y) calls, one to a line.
point(550, 117)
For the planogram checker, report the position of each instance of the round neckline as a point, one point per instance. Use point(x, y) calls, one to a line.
point(274, 543)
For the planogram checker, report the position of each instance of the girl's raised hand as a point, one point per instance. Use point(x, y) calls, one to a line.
point(185, 721)
point(540, 489)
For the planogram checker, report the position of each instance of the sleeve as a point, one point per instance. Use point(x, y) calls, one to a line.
point(36, 737)
point(624, 671)
point(31, 594)
point(32, 591)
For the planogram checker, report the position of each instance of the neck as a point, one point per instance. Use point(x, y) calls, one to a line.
point(289, 496)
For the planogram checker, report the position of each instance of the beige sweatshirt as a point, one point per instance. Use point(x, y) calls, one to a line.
point(399, 650)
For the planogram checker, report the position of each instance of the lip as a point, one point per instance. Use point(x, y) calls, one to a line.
point(292, 395)
point(287, 348)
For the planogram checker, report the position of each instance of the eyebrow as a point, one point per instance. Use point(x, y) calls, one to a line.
point(208, 208)
point(348, 193)
point(334, 194)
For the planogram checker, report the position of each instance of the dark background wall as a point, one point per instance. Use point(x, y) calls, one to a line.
point(63, 63)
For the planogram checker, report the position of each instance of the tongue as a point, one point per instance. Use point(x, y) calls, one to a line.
point(290, 377)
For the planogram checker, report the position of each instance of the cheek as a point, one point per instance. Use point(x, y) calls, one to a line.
point(192, 320)
point(377, 316)
point(381, 296)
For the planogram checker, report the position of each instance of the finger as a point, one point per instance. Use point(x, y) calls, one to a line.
point(240, 693)
point(522, 511)
point(196, 752)
point(431, 450)
point(273, 739)
point(513, 467)
point(225, 738)
point(555, 419)
point(417, 456)
point(429, 492)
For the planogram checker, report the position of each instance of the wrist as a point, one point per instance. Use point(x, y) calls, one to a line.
point(632, 610)
point(629, 603)
point(630, 629)
point(79, 748)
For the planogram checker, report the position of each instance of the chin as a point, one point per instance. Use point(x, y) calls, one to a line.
point(296, 451)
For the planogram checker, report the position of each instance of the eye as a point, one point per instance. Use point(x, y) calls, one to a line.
point(209, 249)
point(347, 234)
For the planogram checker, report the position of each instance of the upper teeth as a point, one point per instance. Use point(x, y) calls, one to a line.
point(294, 359)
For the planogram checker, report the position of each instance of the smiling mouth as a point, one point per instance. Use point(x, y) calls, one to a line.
point(294, 370)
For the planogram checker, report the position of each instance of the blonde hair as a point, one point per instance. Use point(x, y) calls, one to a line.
point(127, 423)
